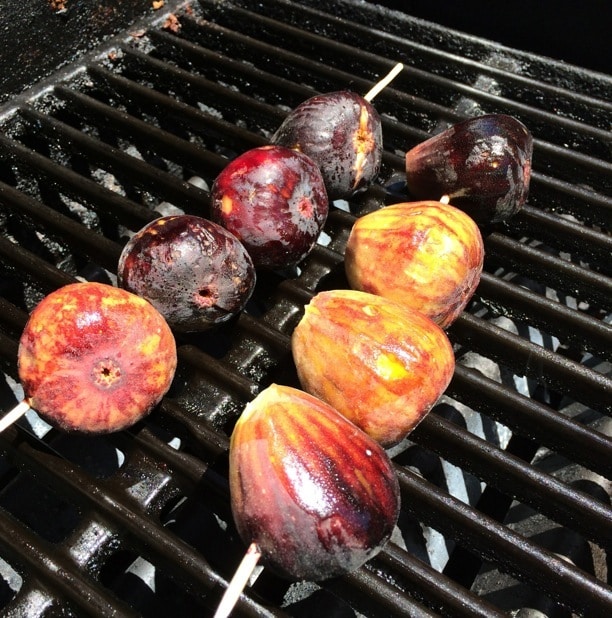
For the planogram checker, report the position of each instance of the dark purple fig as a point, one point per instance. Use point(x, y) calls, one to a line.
point(341, 131)
point(273, 199)
point(193, 271)
point(483, 164)
point(315, 494)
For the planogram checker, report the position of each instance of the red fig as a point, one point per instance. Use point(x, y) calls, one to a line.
point(425, 255)
point(194, 272)
point(483, 164)
point(95, 358)
point(274, 200)
point(315, 494)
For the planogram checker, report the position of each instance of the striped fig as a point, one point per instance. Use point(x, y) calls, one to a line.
point(380, 364)
point(425, 255)
point(315, 494)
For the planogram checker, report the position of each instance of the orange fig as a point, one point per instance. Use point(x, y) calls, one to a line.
point(425, 255)
point(314, 494)
point(95, 358)
point(379, 363)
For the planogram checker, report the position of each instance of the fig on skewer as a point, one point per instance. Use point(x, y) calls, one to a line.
point(311, 494)
point(94, 358)
point(342, 133)
point(483, 164)
point(194, 272)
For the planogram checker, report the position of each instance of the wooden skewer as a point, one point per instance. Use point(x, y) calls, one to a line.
point(445, 199)
point(239, 581)
point(384, 82)
point(15, 414)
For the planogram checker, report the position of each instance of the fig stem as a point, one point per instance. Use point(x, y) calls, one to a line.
point(239, 581)
point(384, 82)
point(15, 414)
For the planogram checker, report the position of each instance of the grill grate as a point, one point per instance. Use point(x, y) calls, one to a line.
point(505, 486)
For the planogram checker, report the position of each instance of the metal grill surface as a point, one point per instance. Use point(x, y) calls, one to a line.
point(505, 485)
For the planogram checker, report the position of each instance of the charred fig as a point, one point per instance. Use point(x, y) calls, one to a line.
point(194, 272)
point(483, 164)
point(317, 496)
point(425, 255)
point(274, 200)
point(378, 363)
point(341, 131)
point(95, 358)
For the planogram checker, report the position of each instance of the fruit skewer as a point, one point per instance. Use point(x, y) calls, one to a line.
point(93, 358)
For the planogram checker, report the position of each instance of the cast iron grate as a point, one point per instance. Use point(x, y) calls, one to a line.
point(505, 486)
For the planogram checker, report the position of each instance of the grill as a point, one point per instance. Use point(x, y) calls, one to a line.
point(505, 485)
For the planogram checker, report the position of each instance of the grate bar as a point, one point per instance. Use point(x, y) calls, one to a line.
point(534, 420)
point(516, 478)
point(511, 552)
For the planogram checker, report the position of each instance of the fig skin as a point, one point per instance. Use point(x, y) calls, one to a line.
point(483, 164)
point(380, 364)
point(424, 255)
point(342, 132)
point(95, 358)
point(274, 201)
point(194, 272)
point(317, 495)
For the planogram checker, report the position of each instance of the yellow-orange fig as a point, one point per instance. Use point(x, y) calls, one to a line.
point(316, 495)
point(379, 363)
point(95, 358)
point(425, 255)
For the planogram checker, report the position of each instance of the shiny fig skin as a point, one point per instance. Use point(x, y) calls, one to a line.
point(274, 200)
point(425, 255)
point(193, 271)
point(94, 358)
point(317, 495)
point(342, 132)
point(378, 363)
point(483, 164)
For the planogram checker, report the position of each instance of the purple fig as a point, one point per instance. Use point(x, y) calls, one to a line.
point(341, 132)
point(483, 164)
point(193, 271)
point(274, 200)
point(316, 495)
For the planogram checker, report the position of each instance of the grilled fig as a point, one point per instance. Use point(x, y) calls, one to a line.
point(378, 363)
point(312, 491)
point(273, 199)
point(483, 164)
point(425, 255)
point(95, 358)
point(341, 131)
point(194, 272)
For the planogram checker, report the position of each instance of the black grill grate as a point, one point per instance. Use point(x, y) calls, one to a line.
point(505, 486)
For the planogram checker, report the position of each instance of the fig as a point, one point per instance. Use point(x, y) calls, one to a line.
point(194, 272)
point(379, 363)
point(315, 494)
point(95, 358)
point(342, 132)
point(425, 255)
point(483, 164)
point(274, 200)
